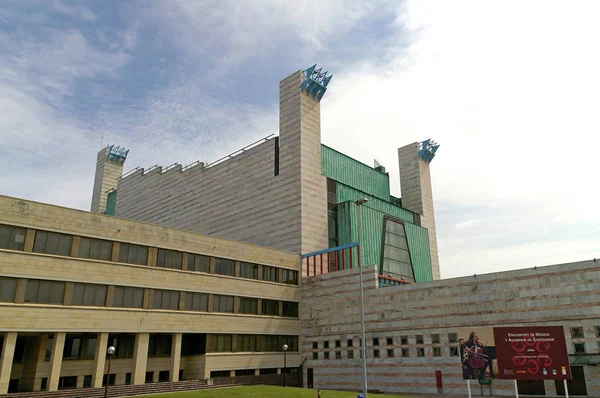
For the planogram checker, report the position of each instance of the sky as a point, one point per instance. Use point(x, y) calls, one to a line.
point(509, 89)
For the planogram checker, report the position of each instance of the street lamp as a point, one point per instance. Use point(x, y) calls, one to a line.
point(285, 348)
point(363, 344)
point(110, 351)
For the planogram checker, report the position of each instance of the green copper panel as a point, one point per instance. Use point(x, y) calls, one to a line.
point(346, 193)
point(418, 246)
point(111, 203)
point(350, 172)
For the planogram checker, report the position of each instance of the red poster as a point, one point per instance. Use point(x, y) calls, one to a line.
point(532, 353)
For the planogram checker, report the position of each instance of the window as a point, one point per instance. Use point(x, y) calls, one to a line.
point(133, 254)
point(44, 384)
point(404, 340)
point(89, 295)
point(163, 376)
point(435, 339)
point(246, 343)
point(79, 346)
point(338, 344)
point(454, 352)
point(376, 353)
point(52, 243)
point(452, 338)
point(290, 309)
point(8, 289)
point(390, 341)
point(169, 259)
point(244, 372)
point(248, 270)
point(111, 379)
point(375, 341)
point(270, 274)
point(160, 345)
point(597, 331)
point(95, 249)
point(390, 353)
point(128, 378)
point(396, 258)
point(326, 354)
point(315, 345)
point(166, 300)
point(248, 305)
point(270, 307)
point(338, 355)
point(437, 351)
point(220, 373)
point(149, 377)
point(198, 263)
point(315, 356)
point(268, 371)
point(420, 352)
point(67, 382)
point(44, 292)
point(222, 303)
point(196, 302)
point(87, 381)
point(577, 333)
point(419, 339)
point(289, 276)
point(326, 344)
point(405, 352)
point(224, 267)
point(351, 354)
point(350, 342)
point(128, 297)
point(220, 343)
point(291, 341)
point(124, 344)
point(12, 238)
point(579, 348)
point(269, 343)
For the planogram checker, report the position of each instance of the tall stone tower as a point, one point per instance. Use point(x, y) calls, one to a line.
point(417, 194)
point(109, 167)
point(300, 151)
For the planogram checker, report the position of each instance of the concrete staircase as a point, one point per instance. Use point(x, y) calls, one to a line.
point(118, 391)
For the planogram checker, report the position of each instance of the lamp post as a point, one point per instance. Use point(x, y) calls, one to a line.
point(285, 348)
point(363, 344)
point(110, 351)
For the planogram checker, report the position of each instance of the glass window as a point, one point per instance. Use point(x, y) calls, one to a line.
point(169, 259)
point(270, 274)
point(248, 270)
point(89, 295)
point(90, 346)
point(8, 288)
point(222, 303)
point(52, 243)
point(224, 267)
point(390, 341)
point(376, 353)
point(290, 309)
point(96, 249)
point(419, 339)
point(351, 354)
point(579, 348)
point(597, 331)
point(246, 343)
point(375, 341)
point(290, 277)
point(196, 302)
point(87, 381)
point(220, 343)
point(437, 351)
point(160, 345)
point(133, 254)
point(435, 339)
point(248, 305)
point(396, 258)
point(166, 300)
point(44, 292)
point(350, 342)
point(452, 338)
point(128, 297)
point(193, 344)
point(72, 348)
point(12, 238)
point(270, 307)
point(390, 353)
point(198, 263)
point(269, 343)
point(338, 343)
point(405, 352)
point(124, 344)
point(577, 333)
point(420, 352)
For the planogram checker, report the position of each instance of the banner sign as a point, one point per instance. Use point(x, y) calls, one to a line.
point(532, 353)
point(477, 353)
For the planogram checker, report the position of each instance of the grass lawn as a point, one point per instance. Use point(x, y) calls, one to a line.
point(256, 391)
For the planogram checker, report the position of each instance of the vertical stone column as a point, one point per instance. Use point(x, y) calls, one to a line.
point(175, 357)
point(100, 359)
point(417, 195)
point(6, 360)
point(140, 358)
point(58, 346)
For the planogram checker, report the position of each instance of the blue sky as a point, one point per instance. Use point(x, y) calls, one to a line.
point(508, 88)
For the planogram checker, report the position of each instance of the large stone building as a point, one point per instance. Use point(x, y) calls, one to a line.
point(264, 254)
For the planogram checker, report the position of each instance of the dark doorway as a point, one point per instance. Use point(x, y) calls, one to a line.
point(576, 386)
point(531, 387)
point(309, 378)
